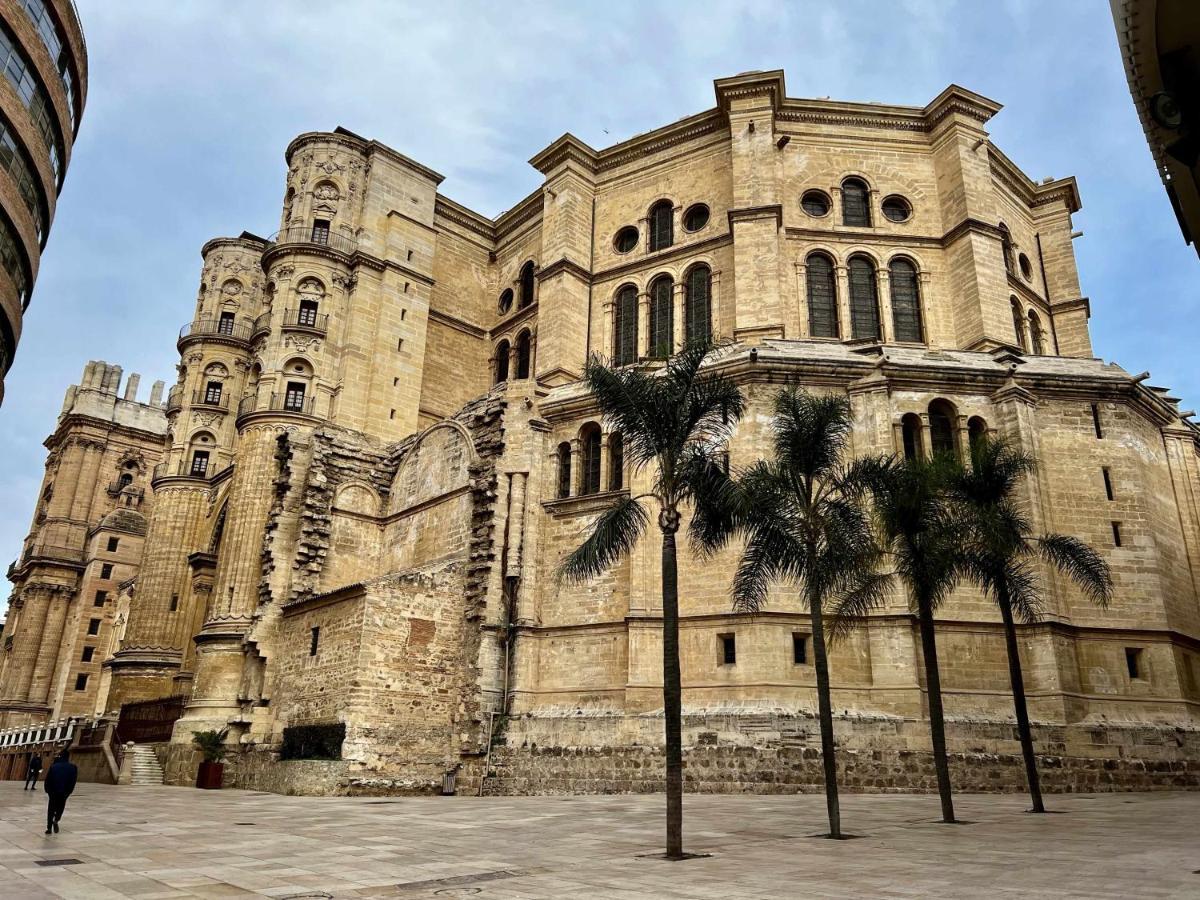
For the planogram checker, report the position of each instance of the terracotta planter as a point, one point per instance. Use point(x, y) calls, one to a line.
point(210, 775)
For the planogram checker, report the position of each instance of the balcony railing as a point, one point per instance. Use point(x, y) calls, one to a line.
point(306, 234)
point(182, 468)
point(49, 551)
point(261, 325)
point(174, 399)
point(304, 318)
point(211, 401)
point(218, 328)
point(116, 488)
point(276, 403)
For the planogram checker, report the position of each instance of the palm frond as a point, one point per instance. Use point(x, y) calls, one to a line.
point(1081, 563)
point(770, 555)
point(612, 535)
point(811, 431)
point(720, 506)
point(1020, 585)
point(866, 591)
point(627, 398)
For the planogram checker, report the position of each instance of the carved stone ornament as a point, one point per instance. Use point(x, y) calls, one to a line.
point(207, 420)
point(303, 344)
point(326, 191)
point(231, 287)
point(283, 272)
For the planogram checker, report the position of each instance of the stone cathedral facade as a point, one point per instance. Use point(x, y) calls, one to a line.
point(378, 450)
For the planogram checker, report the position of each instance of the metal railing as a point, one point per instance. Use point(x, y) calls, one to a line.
point(45, 733)
point(116, 488)
point(182, 468)
point(220, 328)
point(304, 318)
point(209, 401)
point(276, 403)
point(306, 234)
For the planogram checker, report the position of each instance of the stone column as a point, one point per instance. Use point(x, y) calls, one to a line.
point(801, 300)
point(845, 327)
point(677, 320)
point(643, 336)
point(27, 640)
point(607, 339)
point(516, 524)
point(576, 467)
point(887, 331)
point(51, 639)
point(605, 461)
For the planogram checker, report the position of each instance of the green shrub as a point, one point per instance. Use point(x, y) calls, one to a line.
point(211, 744)
point(313, 741)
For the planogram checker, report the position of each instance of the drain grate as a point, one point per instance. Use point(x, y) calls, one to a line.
point(60, 862)
point(460, 880)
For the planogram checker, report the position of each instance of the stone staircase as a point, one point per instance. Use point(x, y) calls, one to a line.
point(145, 767)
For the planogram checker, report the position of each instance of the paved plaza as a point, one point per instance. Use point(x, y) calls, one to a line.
point(152, 842)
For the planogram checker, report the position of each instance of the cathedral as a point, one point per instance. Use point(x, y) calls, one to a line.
point(336, 536)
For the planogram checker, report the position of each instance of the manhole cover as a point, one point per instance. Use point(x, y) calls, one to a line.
point(60, 862)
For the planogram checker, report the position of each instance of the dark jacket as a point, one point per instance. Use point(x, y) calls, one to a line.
point(35, 764)
point(61, 778)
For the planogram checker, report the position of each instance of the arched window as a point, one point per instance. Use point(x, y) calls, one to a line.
point(697, 305)
point(616, 462)
point(662, 225)
point(501, 362)
point(910, 429)
point(1006, 247)
point(1018, 323)
point(856, 204)
point(564, 470)
point(864, 299)
point(662, 330)
point(504, 304)
point(906, 301)
point(822, 297)
point(625, 326)
point(125, 480)
point(526, 285)
point(943, 427)
point(1036, 339)
point(589, 439)
point(524, 347)
point(976, 433)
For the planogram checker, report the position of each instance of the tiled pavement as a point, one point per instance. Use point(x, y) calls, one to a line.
point(151, 842)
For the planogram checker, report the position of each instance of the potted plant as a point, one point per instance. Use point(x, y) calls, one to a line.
point(212, 745)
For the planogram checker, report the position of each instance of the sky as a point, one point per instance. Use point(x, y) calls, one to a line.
point(191, 104)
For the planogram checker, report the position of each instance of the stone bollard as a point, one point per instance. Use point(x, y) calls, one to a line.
point(126, 775)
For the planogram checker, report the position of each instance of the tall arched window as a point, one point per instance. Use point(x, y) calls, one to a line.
point(864, 299)
point(524, 350)
point(856, 203)
point(1006, 247)
point(662, 225)
point(822, 297)
point(906, 301)
point(1018, 323)
point(526, 285)
point(662, 325)
point(564, 470)
point(1036, 339)
point(625, 326)
point(616, 462)
point(589, 439)
point(943, 427)
point(910, 430)
point(697, 305)
point(502, 350)
point(976, 433)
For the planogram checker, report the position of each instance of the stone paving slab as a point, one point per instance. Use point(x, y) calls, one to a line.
point(163, 842)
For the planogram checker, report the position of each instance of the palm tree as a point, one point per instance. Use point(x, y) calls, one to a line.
point(805, 524)
point(1000, 549)
point(675, 422)
point(921, 533)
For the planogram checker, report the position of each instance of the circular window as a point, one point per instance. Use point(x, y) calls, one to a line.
point(1026, 266)
point(896, 209)
point(626, 239)
point(506, 301)
point(815, 203)
point(696, 217)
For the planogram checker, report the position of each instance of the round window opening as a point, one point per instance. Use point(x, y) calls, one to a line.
point(896, 209)
point(815, 203)
point(506, 301)
point(696, 217)
point(1026, 266)
point(626, 239)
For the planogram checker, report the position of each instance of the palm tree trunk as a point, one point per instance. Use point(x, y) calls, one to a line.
point(825, 713)
point(937, 725)
point(672, 690)
point(1018, 689)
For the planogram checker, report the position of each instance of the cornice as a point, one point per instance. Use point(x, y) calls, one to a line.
point(705, 123)
point(750, 213)
point(561, 266)
point(366, 146)
point(457, 324)
point(1029, 192)
point(661, 257)
point(458, 214)
point(244, 241)
point(512, 219)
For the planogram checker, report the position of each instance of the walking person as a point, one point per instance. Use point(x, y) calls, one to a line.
point(59, 783)
point(32, 771)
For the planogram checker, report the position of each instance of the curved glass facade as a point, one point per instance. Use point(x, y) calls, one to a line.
point(14, 161)
point(48, 30)
point(20, 74)
point(12, 258)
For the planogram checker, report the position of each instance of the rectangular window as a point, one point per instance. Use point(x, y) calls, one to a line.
point(200, 463)
point(112, 544)
point(101, 598)
point(728, 649)
point(88, 653)
point(81, 682)
point(1108, 489)
point(1116, 526)
point(106, 570)
point(308, 314)
point(212, 393)
point(1133, 661)
point(293, 400)
point(800, 649)
point(225, 323)
point(320, 232)
point(94, 626)
point(314, 640)
point(174, 602)
point(1096, 420)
